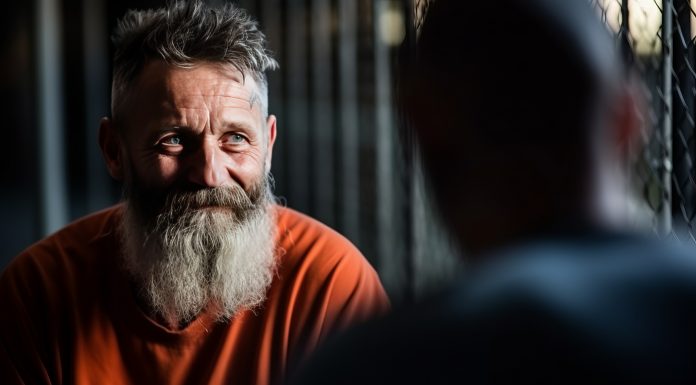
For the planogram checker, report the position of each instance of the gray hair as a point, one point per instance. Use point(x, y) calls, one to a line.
point(183, 34)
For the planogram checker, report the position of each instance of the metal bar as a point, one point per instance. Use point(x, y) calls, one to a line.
point(665, 216)
point(322, 112)
point(349, 126)
point(410, 182)
point(297, 111)
point(683, 120)
point(384, 135)
point(53, 192)
point(271, 18)
point(99, 194)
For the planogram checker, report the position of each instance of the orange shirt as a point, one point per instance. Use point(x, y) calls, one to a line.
point(67, 315)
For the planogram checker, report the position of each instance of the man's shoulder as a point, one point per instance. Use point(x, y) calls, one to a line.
point(298, 231)
point(73, 245)
point(290, 218)
point(97, 224)
point(312, 250)
point(555, 308)
point(554, 268)
point(84, 230)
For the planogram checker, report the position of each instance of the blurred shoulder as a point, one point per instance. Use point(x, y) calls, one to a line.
point(603, 309)
point(298, 231)
point(582, 268)
point(76, 245)
point(321, 260)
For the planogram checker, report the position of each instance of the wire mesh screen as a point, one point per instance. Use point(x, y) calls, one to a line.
point(657, 40)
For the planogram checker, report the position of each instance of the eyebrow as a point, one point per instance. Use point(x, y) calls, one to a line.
point(167, 127)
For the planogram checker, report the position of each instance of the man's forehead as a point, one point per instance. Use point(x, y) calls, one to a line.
point(166, 93)
point(208, 80)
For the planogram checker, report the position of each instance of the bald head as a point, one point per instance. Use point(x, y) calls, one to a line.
point(510, 100)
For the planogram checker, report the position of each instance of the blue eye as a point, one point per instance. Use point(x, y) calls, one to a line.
point(171, 144)
point(236, 138)
point(173, 140)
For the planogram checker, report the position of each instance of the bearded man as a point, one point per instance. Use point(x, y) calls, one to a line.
point(198, 276)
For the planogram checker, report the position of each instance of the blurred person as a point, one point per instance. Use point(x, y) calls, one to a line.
point(198, 276)
point(523, 113)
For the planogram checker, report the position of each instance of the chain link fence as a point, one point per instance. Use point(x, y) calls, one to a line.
point(657, 41)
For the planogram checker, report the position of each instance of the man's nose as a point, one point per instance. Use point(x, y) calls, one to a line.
point(207, 168)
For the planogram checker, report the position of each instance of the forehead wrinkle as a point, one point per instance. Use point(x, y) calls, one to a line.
point(191, 120)
point(210, 93)
point(217, 106)
point(212, 99)
point(217, 117)
point(235, 101)
point(249, 92)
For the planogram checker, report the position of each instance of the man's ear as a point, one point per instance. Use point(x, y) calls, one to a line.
point(111, 146)
point(271, 127)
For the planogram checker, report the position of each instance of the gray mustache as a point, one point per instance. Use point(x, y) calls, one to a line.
point(224, 197)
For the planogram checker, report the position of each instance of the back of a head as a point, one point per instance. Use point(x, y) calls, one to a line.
point(504, 97)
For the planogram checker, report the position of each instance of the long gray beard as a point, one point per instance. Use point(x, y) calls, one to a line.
point(209, 248)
